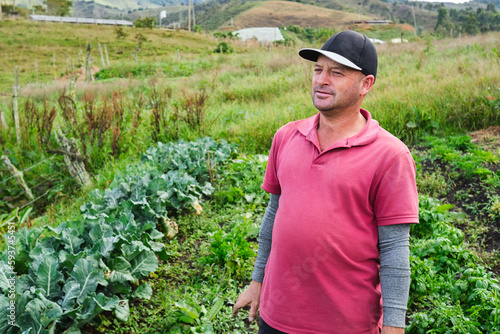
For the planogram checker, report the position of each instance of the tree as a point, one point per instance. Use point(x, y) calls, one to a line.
point(443, 22)
point(491, 8)
point(471, 26)
point(58, 7)
point(147, 22)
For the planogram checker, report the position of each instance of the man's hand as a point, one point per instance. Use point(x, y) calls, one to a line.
point(251, 296)
point(392, 330)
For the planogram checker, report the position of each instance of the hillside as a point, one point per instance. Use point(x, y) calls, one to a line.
point(216, 14)
point(285, 13)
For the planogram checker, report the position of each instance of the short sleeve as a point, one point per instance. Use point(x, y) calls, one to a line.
point(396, 200)
point(271, 182)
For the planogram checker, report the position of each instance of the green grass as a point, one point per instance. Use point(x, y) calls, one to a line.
point(24, 42)
point(423, 88)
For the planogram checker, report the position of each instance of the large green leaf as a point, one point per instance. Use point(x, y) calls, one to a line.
point(88, 275)
point(143, 264)
point(72, 292)
point(104, 247)
point(71, 240)
point(68, 260)
point(122, 310)
point(47, 246)
point(48, 276)
point(133, 249)
point(94, 305)
point(156, 246)
point(120, 270)
point(190, 310)
point(155, 234)
point(5, 277)
point(100, 231)
point(39, 314)
point(26, 240)
point(113, 197)
point(138, 195)
point(157, 186)
point(143, 291)
point(215, 309)
point(6, 318)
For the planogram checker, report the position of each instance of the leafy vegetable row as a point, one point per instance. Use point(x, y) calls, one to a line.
point(64, 277)
point(451, 292)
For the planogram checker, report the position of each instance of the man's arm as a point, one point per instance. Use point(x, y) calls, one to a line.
point(395, 275)
point(251, 296)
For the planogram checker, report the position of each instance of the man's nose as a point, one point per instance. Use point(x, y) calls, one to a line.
point(323, 78)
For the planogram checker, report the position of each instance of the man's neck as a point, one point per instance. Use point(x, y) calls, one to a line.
point(334, 128)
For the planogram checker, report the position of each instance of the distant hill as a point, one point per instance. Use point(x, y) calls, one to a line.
point(285, 13)
point(217, 14)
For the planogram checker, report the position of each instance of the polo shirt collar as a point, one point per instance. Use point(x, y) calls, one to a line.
point(308, 127)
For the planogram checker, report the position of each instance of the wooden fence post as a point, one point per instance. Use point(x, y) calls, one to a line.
point(16, 113)
point(3, 123)
point(88, 71)
point(18, 176)
point(73, 158)
point(102, 56)
point(106, 52)
point(17, 76)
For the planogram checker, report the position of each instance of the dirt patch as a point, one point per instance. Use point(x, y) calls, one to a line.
point(407, 27)
point(488, 139)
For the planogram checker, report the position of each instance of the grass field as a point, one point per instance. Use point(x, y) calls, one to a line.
point(24, 42)
point(430, 93)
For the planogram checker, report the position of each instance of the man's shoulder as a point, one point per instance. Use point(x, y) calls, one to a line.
point(390, 141)
point(299, 126)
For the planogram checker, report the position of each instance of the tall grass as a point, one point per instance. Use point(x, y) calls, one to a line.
point(423, 87)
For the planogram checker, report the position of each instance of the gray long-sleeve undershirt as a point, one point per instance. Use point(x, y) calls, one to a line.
point(394, 247)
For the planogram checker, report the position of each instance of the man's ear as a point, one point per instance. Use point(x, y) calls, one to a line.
point(366, 84)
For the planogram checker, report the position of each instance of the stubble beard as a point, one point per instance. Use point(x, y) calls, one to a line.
point(321, 106)
point(336, 104)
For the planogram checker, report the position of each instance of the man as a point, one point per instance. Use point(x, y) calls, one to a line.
point(334, 241)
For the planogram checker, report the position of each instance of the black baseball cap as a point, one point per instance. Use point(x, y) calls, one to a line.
point(348, 48)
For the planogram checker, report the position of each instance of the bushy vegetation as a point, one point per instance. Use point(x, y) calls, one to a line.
point(93, 264)
point(468, 21)
point(129, 214)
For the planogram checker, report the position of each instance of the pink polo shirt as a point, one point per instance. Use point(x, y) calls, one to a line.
point(322, 275)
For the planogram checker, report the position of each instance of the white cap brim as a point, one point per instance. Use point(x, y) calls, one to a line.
point(307, 53)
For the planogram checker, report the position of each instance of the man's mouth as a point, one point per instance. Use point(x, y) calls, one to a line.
point(322, 93)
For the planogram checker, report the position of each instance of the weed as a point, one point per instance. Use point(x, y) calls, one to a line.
point(223, 47)
point(432, 184)
point(159, 100)
point(38, 122)
point(192, 109)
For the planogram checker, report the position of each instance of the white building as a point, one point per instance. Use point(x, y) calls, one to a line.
point(263, 35)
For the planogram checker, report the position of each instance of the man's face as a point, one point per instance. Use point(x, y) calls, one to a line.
point(335, 87)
